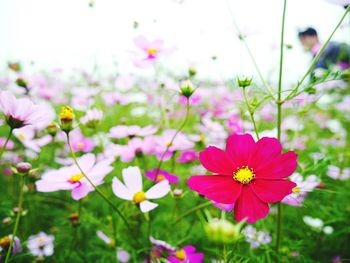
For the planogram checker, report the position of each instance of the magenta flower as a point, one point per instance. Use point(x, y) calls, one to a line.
point(186, 254)
point(187, 157)
point(21, 112)
point(70, 178)
point(249, 174)
point(161, 176)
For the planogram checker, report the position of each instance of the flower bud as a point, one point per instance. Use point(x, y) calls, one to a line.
point(66, 118)
point(192, 72)
point(22, 83)
point(244, 82)
point(23, 167)
point(186, 89)
point(52, 129)
point(223, 231)
point(178, 193)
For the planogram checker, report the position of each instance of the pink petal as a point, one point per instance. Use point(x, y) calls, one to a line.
point(264, 150)
point(281, 167)
point(216, 160)
point(80, 191)
point(249, 206)
point(239, 148)
point(272, 191)
point(218, 188)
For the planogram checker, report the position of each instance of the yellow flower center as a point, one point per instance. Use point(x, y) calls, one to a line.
point(180, 254)
point(244, 175)
point(21, 136)
point(152, 51)
point(66, 114)
point(5, 242)
point(169, 144)
point(160, 178)
point(139, 197)
point(296, 190)
point(76, 178)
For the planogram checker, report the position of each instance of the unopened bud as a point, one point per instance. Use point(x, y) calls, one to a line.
point(52, 128)
point(244, 82)
point(66, 118)
point(186, 89)
point(23, 167)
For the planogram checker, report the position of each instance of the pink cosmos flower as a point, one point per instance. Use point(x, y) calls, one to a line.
point(336, 173)
point(187, 157)
point(195, 99)
point(152, 50)
point(132, 190)
point(123, 131)
point(70, 178)
point(26, 135)
point(303, 187)
point(187, 254)
point(21, 112)
point(181, 142)
point(92, 117)
point(41, 245)
point(161, 176)
point(80, 143)
point(111, 98)
point(10, 144)
point(249, 174)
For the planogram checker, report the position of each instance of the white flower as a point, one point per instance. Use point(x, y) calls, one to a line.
point(336, 173)
point(132, 189)
point(328, 230)
point(41, 244)
point(315, 223)
point(256, 238)
point(92, 117)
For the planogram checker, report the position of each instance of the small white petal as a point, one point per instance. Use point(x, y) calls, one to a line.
point(120, 190)
point(159, 190)
point(146, 206)
point(132, 179)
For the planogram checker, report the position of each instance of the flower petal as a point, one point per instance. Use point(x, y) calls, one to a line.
point(216, 160)
point(218, 188)
point(239, 148)
point(264, 150)
point(121, 190)
point(80, 191)
point(281, 167)
point(272, 191)
point(249, 206)
point(132, 178)
point(159, 190)
point(146, 206)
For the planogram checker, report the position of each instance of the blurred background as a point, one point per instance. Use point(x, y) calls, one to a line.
point(84, 34)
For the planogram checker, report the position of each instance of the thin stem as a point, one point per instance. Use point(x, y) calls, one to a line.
point(192, 211)
point(19, 212)
point(5, 144)
point(173, 138)
point(251, 113)
point(319, 54)
point(94, 186)
point(242, 38)
point(279, 122)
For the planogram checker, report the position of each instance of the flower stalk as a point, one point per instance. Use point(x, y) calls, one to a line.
point(5, 143)
point(19, 212)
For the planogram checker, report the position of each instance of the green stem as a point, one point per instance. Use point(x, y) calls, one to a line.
point(5, 144)
point(317, 57)
point(242, 38)
point(251, 113)
point(192, 210)
point(279, 123)
point(19, 212)
point(94, 186)
point(173, 138)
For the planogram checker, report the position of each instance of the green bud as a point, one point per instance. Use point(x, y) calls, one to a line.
point(244, 82)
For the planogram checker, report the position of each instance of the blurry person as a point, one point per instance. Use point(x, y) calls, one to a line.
point(335, 54)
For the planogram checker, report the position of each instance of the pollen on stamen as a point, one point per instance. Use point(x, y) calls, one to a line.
point(244, 175)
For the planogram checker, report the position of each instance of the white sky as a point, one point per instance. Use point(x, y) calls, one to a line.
point(68, 33)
